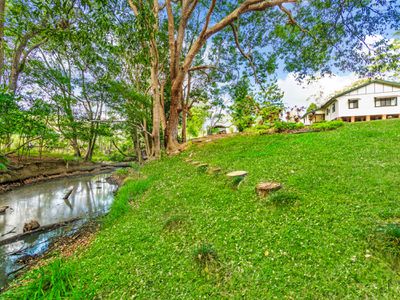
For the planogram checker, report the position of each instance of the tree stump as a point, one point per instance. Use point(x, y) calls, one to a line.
point(202, 167)
point(31, 225)
point(3, 209)
point(214, 170)
point(237, 177)
point(264, 188)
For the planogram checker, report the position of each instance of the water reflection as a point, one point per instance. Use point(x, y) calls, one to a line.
point(44, 202)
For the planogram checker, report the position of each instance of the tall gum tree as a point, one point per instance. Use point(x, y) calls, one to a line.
point(305, 33)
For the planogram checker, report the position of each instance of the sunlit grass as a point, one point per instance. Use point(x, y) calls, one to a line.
point(322, 236)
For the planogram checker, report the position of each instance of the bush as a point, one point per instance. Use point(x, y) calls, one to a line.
point(286, 126)
point(258, 129)
point(325, 126)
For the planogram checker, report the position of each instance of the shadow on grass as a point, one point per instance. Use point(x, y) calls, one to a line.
point(174, 223)
point(386, 243)
point(283, 198)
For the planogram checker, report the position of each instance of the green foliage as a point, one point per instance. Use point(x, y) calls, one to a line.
point(258, 129)
point(195, 122)
point(281, 126)
point(271, 105)
point(244, 105)
point(325, 126)
point(123, 171)
point(3, 167)
point(311, 107)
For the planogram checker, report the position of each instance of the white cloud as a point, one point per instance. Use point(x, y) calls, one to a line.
point(302, 94)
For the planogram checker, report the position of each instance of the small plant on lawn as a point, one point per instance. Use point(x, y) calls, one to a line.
point(174, 222)
point(392, 231)
point(281, 198)
point(205, 255)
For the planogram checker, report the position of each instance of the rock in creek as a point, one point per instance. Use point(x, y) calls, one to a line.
point(31, 225)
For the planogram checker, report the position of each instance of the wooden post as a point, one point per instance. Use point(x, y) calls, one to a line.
point(383, 117)
point(353, 119)
point(367, 118)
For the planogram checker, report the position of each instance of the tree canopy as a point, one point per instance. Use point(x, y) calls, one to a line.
point(135, 72)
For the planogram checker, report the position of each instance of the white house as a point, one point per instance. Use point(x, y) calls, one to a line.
point(372, 100)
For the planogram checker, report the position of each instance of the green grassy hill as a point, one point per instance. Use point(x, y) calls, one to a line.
point(180, 233)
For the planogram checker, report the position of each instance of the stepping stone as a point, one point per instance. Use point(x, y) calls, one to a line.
point(188, 160)
point(236, 174)
point(214, 170)
point(237, 177)
point(264, 188)
point(202, 167)
point(196, 163)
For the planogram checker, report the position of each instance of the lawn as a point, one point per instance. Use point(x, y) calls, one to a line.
point(179, 233)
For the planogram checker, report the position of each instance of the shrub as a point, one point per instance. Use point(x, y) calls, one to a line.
point(258, 129)
point(286, 126)
point(325, 126)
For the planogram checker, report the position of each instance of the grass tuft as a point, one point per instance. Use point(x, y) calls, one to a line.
point(174, 223)
point(392, 231)
point(205, 255)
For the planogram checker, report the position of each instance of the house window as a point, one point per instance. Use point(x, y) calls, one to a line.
point(327, 111)
point(388, 101)
point(333, 107)
point(353, 103)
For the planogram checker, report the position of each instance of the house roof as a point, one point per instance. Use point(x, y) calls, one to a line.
point(391, 83)
point(317, 111)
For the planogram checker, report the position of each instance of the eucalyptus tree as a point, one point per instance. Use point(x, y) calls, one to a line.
point(72, 72)
point(303, 35)
point(24, 27)
point(385, 60)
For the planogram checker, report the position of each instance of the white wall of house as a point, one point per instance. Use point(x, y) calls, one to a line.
point(366, 102)
point(332, 111)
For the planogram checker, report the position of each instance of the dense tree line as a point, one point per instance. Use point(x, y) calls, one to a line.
point(142, 74)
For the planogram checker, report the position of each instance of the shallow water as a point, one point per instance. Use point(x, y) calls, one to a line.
point(43, 202)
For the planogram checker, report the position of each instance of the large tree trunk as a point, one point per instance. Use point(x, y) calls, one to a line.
point(75, 146)
point(156, 106)
point(2, 17)
point(173, 120)
point(136, 143)
point(184, 122)
point(163, 118)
